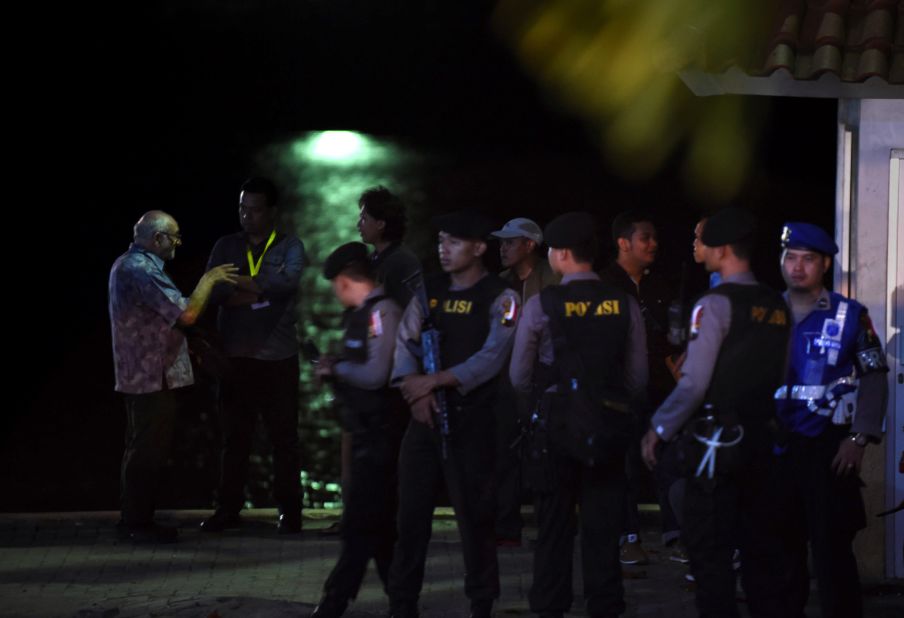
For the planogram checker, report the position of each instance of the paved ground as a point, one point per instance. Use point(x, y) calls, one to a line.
point(70, 564)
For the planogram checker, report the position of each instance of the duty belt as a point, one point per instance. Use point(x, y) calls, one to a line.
point(617, 406)
point(817, 396)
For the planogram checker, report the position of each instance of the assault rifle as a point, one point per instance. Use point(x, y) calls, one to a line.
point(430, 354)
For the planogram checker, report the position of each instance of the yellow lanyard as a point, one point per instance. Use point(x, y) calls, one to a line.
point(256, 268)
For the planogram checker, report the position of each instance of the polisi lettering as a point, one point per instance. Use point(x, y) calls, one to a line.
point(458, 306)
point(581, 308)
point(776, 317)
point(608, 307)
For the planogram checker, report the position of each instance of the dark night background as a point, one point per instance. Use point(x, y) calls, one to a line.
point(121, 108)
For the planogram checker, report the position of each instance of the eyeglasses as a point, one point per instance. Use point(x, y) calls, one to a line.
point(176, 238)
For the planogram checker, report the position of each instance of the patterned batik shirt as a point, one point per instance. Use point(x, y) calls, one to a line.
point(145, 306)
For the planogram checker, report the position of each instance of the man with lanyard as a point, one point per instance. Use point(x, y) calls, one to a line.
point(637, 244)
point(360, 377)
point(582, 322)
point(527, 271)
point(257, 324)
point(736, 351)
point(475, 314)
point(150, 361)
point(831, 408)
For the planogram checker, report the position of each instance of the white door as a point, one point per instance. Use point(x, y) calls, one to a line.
point(895, 351)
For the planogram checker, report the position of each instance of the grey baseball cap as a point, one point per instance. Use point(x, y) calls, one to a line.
point(520, 227)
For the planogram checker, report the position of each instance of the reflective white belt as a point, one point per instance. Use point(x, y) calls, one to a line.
point(801, 391)
point(813, 391)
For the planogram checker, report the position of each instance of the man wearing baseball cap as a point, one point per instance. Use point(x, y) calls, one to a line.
point(527, 271)
point(831, 408)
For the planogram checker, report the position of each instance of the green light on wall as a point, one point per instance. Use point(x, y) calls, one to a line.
point(337, 145)
point(322, 174)
point(339, 148)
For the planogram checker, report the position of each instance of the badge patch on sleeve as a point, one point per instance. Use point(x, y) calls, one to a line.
point(696, 318)
point(509, 311)
point(376, 324)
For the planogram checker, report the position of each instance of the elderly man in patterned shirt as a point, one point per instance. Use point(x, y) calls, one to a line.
point(150, 358)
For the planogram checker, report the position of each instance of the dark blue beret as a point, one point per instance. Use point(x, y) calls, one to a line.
point(796, 235)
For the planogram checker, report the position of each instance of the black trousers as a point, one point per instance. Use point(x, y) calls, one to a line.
point(665, 475)
point(150, 419)
point(468, 476)
point(736, 510)
point(600, 494)
point(508, 465)
point(819, 507)
point(268, 388)
point(368, 527)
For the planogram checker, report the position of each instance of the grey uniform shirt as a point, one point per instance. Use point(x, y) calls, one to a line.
point(478, 368)
point(872, 391)
point(374, 373)
point(714, 311)
point(534, 341)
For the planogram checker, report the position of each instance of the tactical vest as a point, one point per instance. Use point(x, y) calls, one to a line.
point(823, 349)
point(594, 318)
point(751, 360)
point(363, 408)
point(462, 318)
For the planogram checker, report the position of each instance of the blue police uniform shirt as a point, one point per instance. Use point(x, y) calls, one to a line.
point(823, 349)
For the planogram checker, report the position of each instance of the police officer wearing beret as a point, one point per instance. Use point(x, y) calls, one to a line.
point(582, 322)
point(722, 403)
point(369, 415)
point(832, 407)
point(474, 312)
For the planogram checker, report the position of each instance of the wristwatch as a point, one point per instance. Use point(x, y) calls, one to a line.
point(860, 439)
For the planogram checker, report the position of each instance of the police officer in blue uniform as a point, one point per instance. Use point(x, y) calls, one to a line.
point(370, 416)
point(831, 409)
point(722, 414)
point(474, 312)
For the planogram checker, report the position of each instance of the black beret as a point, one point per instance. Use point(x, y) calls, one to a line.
point(728, 226)
point(570, 230)
point(348, 253)
point(466, 224)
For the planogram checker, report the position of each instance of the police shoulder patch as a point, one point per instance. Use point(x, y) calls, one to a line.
point(509, 310)
point(696, 319)
point(376, 323)
point(866, 326)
